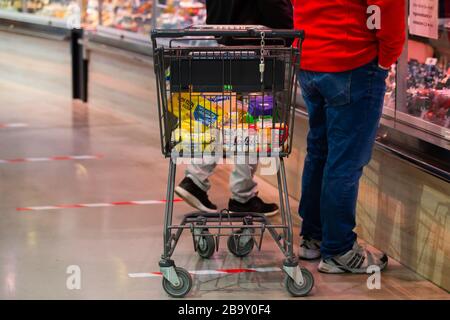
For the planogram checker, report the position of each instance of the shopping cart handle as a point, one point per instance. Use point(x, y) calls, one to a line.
point(238, 33)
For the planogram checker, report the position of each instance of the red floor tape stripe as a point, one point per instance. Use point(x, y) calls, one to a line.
point(209, 272)
point(12, 125)
point(95, 205)
point(55, 158)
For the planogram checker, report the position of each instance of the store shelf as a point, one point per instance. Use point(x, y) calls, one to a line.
point(33, 18)
point(414, 148)
point(110, 47)
point(41, 26)
point(119, 39)
point(422, 124)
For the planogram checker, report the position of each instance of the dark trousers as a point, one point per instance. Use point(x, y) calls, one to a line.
point(344, 112)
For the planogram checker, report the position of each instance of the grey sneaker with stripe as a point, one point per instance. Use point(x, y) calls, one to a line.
point(309, 249)
point(356, 260)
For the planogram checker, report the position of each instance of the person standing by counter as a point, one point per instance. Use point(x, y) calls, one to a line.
point(346, 58)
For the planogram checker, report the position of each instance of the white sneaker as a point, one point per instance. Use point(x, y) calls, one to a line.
point(356, 260)
point(309, 249)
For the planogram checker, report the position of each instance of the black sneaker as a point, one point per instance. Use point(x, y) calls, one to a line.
point(194, 196)
point(254, 205)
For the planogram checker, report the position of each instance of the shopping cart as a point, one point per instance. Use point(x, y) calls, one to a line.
point(227, 102)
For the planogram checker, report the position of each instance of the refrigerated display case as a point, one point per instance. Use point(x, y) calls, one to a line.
point(41, 16)
point(127, 20)
point(428, 84)
point(418, 87)
point(180, 14)
point(126, 24)
point(132, 20)
point(416, 115)
point(11, 5)
point(58, 9)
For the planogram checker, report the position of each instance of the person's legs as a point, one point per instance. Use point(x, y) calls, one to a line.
point(194, 187)
point(316, 156)
point(354, 102)
point(242, 185)
point(200, 173)
point(244, 196)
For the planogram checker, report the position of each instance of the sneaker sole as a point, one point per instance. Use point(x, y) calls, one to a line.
point(192, 200)
point(331, 269)
point(267, 214)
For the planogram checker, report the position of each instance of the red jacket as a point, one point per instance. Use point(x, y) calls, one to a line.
point(337, 36)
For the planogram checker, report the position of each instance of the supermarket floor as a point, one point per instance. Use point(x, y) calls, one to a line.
point(117, 159)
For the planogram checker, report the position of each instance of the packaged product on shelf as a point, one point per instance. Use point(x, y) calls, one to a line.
point(193, 126)
point(246, 139)
point(194, 107)
point(279, 137)
point(264, 136)
point(264, 122)
point(186, 140)
point(260, 105)
point(229, 137)
point(227, 101)
point(252, 138)
point(248, 118)
point(243, 138)
point(282, 131)
point(237, 117)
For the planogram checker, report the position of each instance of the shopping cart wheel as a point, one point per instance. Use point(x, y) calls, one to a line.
point(183, 288)
point(206, 245)
point(238, 249)
point(300, 291)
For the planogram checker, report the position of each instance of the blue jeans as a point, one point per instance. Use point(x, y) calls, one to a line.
point(344, 112)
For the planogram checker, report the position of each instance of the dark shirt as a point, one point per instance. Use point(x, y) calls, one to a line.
point(275, 14)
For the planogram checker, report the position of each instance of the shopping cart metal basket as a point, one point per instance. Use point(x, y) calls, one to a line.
point(227, 102)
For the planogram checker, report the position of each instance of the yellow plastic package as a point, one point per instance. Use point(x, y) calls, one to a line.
point(193, 126)
point(187, 140)
point(194, 107)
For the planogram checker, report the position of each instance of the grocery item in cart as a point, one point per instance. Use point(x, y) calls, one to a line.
point(194, 107)
point(248, 118)
point(225, 100)
point(260, 105)
point(242, 138)
point(193, 126)
point(187, 140)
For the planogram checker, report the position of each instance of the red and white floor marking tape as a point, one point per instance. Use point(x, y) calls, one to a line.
point(55, 158)
point(96, 205)
point(13, 125)
point(209, 272)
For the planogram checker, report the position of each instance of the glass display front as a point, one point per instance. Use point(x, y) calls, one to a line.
point(391, 89)
point(176, 14)
point(428, 76)
point(67, 12)
point(11, 5)
point(134, 16)
point(128, 15)
point(90, 17)
point(137, 15)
